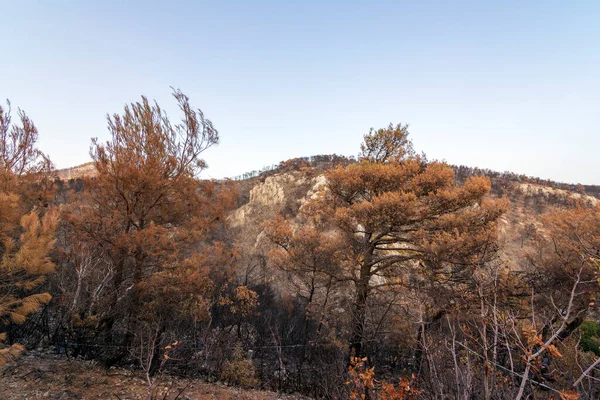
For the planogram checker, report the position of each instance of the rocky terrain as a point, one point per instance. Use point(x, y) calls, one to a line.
point(79, 171)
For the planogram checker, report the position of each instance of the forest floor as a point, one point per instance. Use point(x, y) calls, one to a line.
point(49, 376)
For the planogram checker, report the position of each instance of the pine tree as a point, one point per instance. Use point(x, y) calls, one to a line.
point(394, 214)
point(147, 215)
point(26, 233)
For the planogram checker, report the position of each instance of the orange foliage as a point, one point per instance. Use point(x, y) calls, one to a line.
point(150, 219)
point(27, 233)
point(363, 384)
point(386, 214)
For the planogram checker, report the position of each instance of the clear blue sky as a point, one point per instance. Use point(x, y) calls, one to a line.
point(503, 85)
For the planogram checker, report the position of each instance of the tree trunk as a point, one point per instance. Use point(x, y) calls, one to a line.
point(359, 314)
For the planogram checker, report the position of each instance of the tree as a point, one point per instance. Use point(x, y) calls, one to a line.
point(312, 255)
point(149, 218)
point(564, 263)
point(400, 215)
point(26, 232)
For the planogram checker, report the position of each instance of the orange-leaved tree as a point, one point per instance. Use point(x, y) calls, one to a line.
point(394, 214)
point(26, 232)
point(313, 256)
point(149, 218)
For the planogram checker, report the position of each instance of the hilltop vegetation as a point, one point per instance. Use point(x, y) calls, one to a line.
point(387, 276)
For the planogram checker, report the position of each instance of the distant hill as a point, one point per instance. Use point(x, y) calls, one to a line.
point(77, 172)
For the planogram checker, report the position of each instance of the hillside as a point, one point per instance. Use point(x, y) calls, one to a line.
point(272, 306)
point(77, 172)
point(283, 191)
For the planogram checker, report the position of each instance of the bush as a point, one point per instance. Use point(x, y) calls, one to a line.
point(590, 337)
point(239, 370)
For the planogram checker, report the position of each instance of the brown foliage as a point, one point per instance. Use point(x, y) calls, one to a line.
point(396, 258)
point(25, 169)
point(150, 220)
point(26, 233)
point(390, 144)
point(238, 369)
point(363, 384)
point(389, 214)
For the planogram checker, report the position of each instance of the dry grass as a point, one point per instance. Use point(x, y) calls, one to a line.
point(44, 376)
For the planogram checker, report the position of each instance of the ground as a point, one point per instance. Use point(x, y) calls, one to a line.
point(50, 376)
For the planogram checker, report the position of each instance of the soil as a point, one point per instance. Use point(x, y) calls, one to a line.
point(51, 376)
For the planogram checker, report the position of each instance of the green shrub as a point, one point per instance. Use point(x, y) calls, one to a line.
point(590, 337)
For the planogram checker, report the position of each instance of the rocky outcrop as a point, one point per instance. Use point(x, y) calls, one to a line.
point(272, 196)
point(80, 171)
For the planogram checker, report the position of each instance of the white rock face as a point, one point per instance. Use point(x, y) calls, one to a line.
point(531, 188)
point(319, 186)
point(268, 198)
point(270, 192)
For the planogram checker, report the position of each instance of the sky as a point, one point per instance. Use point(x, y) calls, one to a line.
point(505, 85)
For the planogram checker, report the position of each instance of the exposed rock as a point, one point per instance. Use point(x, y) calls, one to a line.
point(80, 171)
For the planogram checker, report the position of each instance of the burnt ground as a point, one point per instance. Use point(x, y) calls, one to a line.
point(51, 376)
